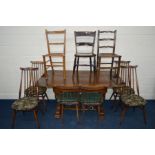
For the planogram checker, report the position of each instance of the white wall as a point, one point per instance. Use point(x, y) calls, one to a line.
point(20, 45)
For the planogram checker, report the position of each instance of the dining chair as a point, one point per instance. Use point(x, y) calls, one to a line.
point(27, 103)
point(132, 99)
point(67, 96)
point(123, 81)
point(41, 89)
point(106, 55)
point(92, 97)
point(84, 43)
point(56, 45)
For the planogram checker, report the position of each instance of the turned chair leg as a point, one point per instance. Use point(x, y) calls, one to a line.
point(94, 64)
point(144, 114)
point(46, 96)
point(13, 118)
point(99, 110)
point(123, 113)
point(90, 64)
point(77, 111)
point(74, 65)
point(77, 64)
point(35, 112)
point(62, 110)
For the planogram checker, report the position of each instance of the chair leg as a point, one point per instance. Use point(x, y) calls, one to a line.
point(64, 68)
point(46, 96)
point(45, 104)
point(62, 110)
point(90, 63)
point(123, 113)
point(74, 65)
point(99, 110)
point(111, 95)
point(13, 118)
point(99, 64)
point(77, 111)
point(94, 63)
point(144, 115)
point(35, 112)
point(77, 64)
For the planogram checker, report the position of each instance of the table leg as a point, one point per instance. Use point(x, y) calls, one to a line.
point(58, 111)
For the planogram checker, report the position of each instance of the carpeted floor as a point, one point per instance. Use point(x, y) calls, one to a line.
point(88, 120)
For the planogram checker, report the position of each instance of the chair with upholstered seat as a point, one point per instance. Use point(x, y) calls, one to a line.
point(67, 96)
point(131, 97)
point(27, 103)
point(92, 97)
point(123, 82)
point(84, 43)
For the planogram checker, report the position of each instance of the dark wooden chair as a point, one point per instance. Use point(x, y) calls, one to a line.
point(93, 97)
point(123, 79)
point(42, 89)
point(67, 96)
point(131, 97)
point(84, 43)
point(56, 57)
point(106, 55)
point(27, 103)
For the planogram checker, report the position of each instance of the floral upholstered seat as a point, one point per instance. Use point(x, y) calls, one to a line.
point(31, 91)
point(133, 100)
point(25, 103)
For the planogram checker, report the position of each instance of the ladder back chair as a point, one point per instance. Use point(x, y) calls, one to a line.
point(84, 43)
point(106, 55)
point(56, 45)
point(131, 97)
point(27, 103)
point(67, 96)
point(92, 96)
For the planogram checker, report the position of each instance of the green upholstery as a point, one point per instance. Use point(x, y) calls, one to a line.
point(68, 98)
point(133, 100)
point(32, 91)
point(91, 98)
point(25, 103)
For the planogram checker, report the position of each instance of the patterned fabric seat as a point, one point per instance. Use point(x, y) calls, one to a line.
point(133, 100)
point(31, 91)
point(25, 103)
point(91, 98)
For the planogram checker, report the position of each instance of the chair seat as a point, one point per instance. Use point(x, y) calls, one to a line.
point(133, 100)
point(25, 103)
point(85, 55)
point(108, 55)
point(91, 98)
point(31, 91)
point(68, 98)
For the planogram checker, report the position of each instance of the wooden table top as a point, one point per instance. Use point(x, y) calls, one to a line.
point(79, 78)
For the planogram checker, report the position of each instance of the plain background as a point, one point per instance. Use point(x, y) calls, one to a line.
point(77, 13)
